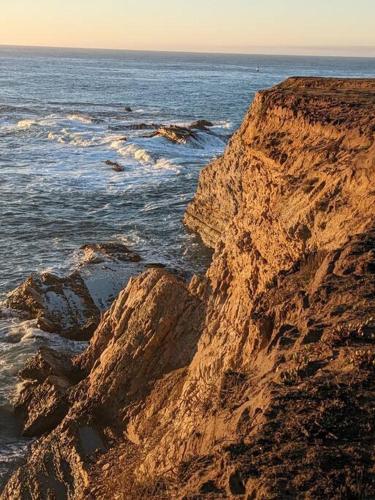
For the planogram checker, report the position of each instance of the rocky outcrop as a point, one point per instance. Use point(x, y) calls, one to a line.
point(202, 124)
point(257, 380)
point(136, 345)
point(72, 305)
point(184, 135)
point(116, 167)
point(175, 133)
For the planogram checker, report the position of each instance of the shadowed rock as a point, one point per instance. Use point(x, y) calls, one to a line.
point(174, 133)
point(71, 305)
point(116, 167)
point(201, 124)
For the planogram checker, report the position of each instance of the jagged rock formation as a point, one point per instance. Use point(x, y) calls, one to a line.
point(183, 135)
point(72, 305)
point(174, 133)
point(257, 380)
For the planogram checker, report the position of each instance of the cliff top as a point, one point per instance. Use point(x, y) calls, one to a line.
point(360, 85)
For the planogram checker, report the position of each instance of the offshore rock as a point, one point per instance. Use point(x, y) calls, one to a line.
point(72, 305)
point(174, 133)
point(202, 124)
point(116, 167)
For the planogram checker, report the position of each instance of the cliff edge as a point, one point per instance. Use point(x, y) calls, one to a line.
point(258, 379)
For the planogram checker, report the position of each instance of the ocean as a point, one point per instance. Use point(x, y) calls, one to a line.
point(63, 114)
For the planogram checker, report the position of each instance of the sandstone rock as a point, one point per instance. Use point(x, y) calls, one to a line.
point(42, 399)
point(43, 406)
point(256, 380)
point(136, 345)
point(46, 363)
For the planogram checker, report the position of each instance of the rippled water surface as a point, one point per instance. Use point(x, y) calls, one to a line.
point(63, 113)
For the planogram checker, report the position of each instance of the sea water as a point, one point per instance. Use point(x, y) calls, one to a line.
point(63, 114)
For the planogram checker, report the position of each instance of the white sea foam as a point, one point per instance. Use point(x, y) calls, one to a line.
point(133, 151)
point(222, 124)
point(165, 164)
point(80, 118)
point(26, 123)
point(78, 139)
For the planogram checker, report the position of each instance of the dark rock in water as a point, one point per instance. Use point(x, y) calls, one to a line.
point(99, 252)
point(136, 126)
point(156, 265)
point(128, 109)
point(116, 167)
point(181, 135)
point(61, 305)
point(71, 305)
point(176, 134)
point(201, 124)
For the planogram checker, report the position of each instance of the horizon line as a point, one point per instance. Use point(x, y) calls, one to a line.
point(212, 52)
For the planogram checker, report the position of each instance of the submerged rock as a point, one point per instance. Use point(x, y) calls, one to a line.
point(116, 167)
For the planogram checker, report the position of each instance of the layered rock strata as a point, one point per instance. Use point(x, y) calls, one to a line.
point(257, 380)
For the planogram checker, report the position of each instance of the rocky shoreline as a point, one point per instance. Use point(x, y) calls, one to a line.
point(256, 380)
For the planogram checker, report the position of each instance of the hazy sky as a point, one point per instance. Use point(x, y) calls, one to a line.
point(266, 26)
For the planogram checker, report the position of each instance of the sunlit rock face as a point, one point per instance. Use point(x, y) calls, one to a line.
point(256, 380)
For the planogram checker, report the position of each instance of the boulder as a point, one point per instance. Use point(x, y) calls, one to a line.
point(71, 305)
point(60, 305)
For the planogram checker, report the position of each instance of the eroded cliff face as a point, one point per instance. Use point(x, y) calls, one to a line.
point(257, 380)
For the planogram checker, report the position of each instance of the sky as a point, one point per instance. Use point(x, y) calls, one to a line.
point(321, 27)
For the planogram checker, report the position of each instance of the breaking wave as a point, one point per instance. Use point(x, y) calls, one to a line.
point(80, 118)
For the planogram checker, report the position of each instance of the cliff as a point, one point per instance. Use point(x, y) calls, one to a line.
point(258, 379)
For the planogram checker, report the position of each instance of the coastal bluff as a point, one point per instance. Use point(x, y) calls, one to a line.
point(256, 380)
